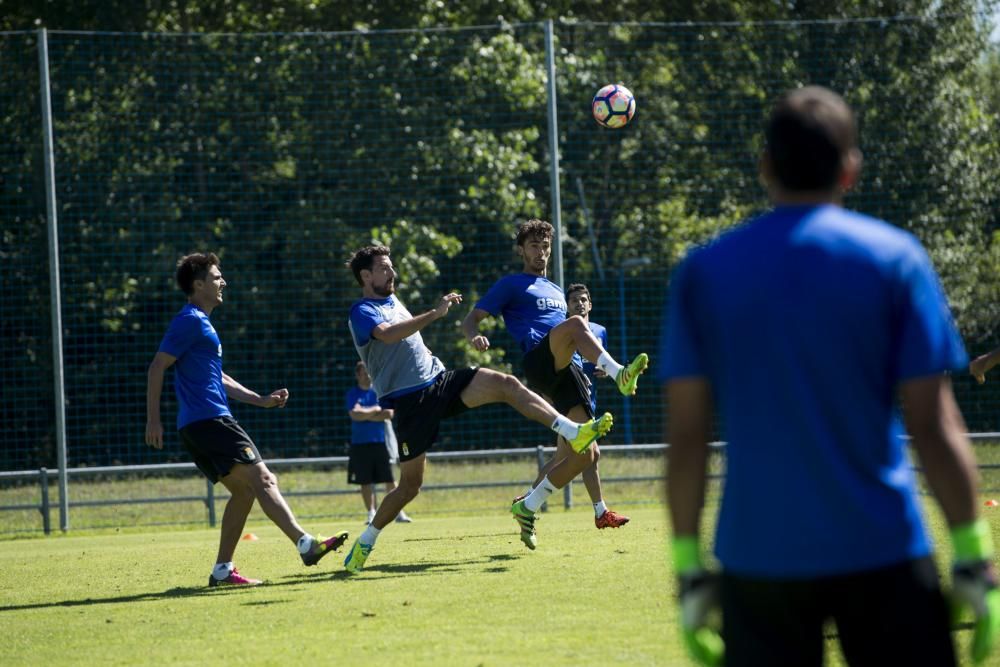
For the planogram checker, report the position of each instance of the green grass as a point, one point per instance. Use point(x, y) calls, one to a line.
point(454, 588)
point(445, 590)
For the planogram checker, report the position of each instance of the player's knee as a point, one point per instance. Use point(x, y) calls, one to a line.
point(409, 489)
point(267, 479)
point(595, 454)
point(577, 324)
point(511, 384)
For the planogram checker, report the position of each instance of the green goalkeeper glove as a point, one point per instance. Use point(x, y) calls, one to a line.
point(699, 597)
point(974, 584)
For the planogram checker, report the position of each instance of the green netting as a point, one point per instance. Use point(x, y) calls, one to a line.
point(26, 409)
point(284, 152)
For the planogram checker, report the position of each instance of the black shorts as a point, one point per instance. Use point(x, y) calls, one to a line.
point(368, 463)
point(566, 388)
point(894, 615)
point(419, 414)
point(217, 444)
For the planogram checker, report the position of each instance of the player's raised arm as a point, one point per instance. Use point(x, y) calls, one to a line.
point(393, 333)
point(470, 327)
point(236, 391)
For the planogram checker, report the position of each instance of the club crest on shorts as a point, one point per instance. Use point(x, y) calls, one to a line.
point(248, 453)
point(406, 449)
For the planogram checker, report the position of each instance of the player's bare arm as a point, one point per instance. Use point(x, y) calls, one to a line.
point(470, 328)
point(688, 403)
point(154, 388)
point(369, 413)
point(979, 366)
point(935, 423)
point(234, 390)
point(393, 333)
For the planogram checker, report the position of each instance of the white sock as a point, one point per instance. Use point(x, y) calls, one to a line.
point(370, 535)
point(600, 508)
point(565, 427)
point(305, 543)
point(539, 494)
point(607, 364)
point(371, 515)
point(222, 570)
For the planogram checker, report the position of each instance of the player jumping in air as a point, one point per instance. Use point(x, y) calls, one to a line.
point(534, 311)
point(409, 379)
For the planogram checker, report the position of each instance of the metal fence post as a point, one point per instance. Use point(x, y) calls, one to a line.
point(54, 283)
point(210, 502)
point(553, 126)
point(46, 523)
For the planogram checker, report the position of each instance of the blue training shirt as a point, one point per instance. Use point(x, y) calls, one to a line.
point(805, 321)
point(192, 339)
point(364, 431)
point(601, 334)
point(531, 305)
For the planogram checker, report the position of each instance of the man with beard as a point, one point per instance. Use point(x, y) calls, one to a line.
point(534, 311)
point(414, 383)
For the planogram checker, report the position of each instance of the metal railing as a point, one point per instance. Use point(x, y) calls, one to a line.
point(43, 476)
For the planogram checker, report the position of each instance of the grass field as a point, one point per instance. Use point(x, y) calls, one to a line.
point(456, 587)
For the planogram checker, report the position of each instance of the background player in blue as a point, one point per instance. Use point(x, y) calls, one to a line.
point(578, 302)
point(368, 461)
point(220, 447)
point(804, 326)
point(534, 312)
point(412, 381)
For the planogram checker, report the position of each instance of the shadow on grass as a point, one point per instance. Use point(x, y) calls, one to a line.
point(169, 594)
point(386, 571)
point(391, 570)
point(178, 593)
point(459, 538)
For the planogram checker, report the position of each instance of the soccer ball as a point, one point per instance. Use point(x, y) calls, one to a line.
point(613, 106)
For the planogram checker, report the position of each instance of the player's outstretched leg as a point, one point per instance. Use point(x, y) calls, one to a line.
point(628, 376)
point(321, 546)
point(526, 520)
point(591, 431)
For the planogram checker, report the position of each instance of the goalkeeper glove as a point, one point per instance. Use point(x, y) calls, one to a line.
point(974, 584)
point(699, 597)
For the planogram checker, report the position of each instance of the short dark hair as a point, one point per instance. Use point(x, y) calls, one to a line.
point(534, 229)
point(194, 267)
point(358, 366)
point(810, 132)
point(364, 258)
point(577, 287)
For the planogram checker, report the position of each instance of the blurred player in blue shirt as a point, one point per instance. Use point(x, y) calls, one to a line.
point(803, 328)
point(220, 447)
point(368, 460)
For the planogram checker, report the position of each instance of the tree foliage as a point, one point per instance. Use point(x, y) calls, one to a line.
point(336, 125)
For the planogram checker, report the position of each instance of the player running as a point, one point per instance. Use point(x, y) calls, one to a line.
point(220, 447)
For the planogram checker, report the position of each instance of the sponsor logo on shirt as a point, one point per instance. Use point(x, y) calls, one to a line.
point(548, 303)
